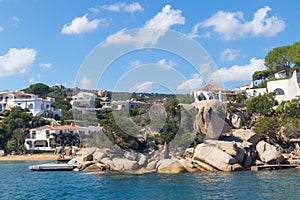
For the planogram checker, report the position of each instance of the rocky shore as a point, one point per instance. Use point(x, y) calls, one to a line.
point(238, 151)
point(227, 147)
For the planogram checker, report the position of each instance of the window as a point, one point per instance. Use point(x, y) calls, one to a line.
point(279, 91)
point(33, 134)
point(47, 133)
point(30, 106)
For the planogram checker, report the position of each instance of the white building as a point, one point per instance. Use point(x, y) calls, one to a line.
point(83, 99)
point(45, 137)
point(124, 105)
point(286, 89)
point(243, 88)
point(280, 74)
point(211, 91)
point(254, 92)
point(37, 106)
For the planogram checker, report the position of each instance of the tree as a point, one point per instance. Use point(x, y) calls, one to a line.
point(294, 54)
point(277, 60)
point(261, 75)
point(262, 104)
point(18, 135)
point(39, 89)
point(267, 128)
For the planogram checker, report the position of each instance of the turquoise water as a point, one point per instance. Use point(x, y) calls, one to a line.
point(18, 182)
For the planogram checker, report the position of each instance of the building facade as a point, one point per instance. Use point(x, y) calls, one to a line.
point(46, 138)
point(37, 106)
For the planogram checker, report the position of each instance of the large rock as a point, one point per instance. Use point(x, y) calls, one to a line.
point(229, 147)
point(210, 119)
point(268, 153)
point(122, 164)
point(96, 167)
point(99, 154)
point(203, 166)
point(130, 155)
point(188, 165)
point(246, 135)
point(85, 154)
point(142, 160)
point(216, 158)
point(236, 118)
point(152, 165)
point(188, 153)
point(2, 152)
point(170, 166)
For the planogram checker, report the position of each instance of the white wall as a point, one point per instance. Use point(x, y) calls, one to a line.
point(289, 86)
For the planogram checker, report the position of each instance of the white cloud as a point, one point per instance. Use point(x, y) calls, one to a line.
point(16, 61)
point(166, 64)
point(31, 80)
point(1, 29)
point(152, 31)
point(135, 63)
point(119, 7)
point(15, 19)
point(238, 73)
point(45, 65)
point(94, 10)
point(143, 86)
point(232, 25)
point(162, 63)
point(81, 25)
point(191, 84)
point(85, 83)
point(230, 54)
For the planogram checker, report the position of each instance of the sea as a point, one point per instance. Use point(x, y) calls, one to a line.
point(18, 182)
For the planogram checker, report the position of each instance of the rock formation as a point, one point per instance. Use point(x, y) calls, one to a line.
point(210, 119)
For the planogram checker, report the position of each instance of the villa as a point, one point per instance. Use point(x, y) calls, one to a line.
point(124, 105)
point(44, 138)
point(285, 89)
point(37, 106)
point(83, 99)
point(212, 91)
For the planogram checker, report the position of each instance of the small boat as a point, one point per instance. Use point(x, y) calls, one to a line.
point(52, 167)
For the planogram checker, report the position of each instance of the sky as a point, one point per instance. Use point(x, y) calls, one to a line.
point(161, 46)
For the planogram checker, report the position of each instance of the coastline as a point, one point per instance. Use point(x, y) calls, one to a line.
point(29, 157)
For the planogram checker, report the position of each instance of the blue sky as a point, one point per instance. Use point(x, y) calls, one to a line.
point(49, 41)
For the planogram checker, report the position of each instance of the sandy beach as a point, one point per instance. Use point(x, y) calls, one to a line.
point(29, 157)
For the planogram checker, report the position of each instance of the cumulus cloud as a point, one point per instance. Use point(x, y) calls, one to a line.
point(143, 86)
point(229, 54)
point(238, 72)
point(162, 63)
point(232, 25)
point(16, 61)
point(135, 63)
point(152, 31)
point(45, 65)
point(94, 10)
point(166, 64)
point(85, 83)
point(81, 25)
point(123, 7)
point(191, 84)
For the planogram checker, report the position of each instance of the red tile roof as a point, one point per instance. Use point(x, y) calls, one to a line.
point(210, 87)
point(62, 127)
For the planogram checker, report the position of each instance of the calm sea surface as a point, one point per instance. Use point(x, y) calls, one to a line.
point(18, 182)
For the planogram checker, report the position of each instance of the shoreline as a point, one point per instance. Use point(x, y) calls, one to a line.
point(29, 157)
